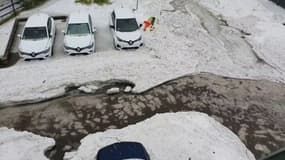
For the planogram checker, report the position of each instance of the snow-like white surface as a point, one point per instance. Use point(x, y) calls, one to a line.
point(16, 145)
point(171, 136)
point(5, 31)
point(128, 89)
point(182, 43)
point(262, 19)
point(113, 90)
point(88, 88)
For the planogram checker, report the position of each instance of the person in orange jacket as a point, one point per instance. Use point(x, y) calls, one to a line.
point(149, 24)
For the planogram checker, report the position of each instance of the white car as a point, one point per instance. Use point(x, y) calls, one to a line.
point(79, 34)
point(125, 29)
point(37, 39)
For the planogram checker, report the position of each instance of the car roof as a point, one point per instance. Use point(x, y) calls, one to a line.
point(123, 150)
point(124, 13)
point(78, 17)
point(37, 20)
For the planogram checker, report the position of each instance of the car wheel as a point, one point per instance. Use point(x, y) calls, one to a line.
point(51, 52)
point(94, 50)
point(114, 44)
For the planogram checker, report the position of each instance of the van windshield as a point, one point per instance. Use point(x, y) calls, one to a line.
point(35, 33)
point(79, 28)
point(127, 25)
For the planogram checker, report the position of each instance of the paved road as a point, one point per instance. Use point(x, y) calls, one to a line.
point(254, 110)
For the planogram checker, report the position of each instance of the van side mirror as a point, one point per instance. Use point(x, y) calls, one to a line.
point(94, 30)
point(111, 26)
point(19, 35)
point(140, 25)
point(63, 32)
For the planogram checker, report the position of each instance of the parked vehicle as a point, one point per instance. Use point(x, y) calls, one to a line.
point(123, 151)
point(79, 34)
point(125, 29)
point(38, 37)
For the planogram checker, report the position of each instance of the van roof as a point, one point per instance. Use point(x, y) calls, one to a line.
point(124, 13)
point(37, 20)
point(78, 17)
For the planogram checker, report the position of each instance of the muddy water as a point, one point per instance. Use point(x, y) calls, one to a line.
point(254, 110)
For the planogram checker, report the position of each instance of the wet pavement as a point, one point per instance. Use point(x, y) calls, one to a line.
point(254, 110)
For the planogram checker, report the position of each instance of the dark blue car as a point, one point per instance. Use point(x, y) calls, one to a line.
point(123, 151)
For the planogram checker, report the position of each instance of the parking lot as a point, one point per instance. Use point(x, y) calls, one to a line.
point(102, 37)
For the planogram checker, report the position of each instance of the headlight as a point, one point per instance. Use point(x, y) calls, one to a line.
point(140, 38)
point(44, 51)
point(89, 47)
point(23, 53)
point(20, 51)
point(66, 47)
point(121, 40)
